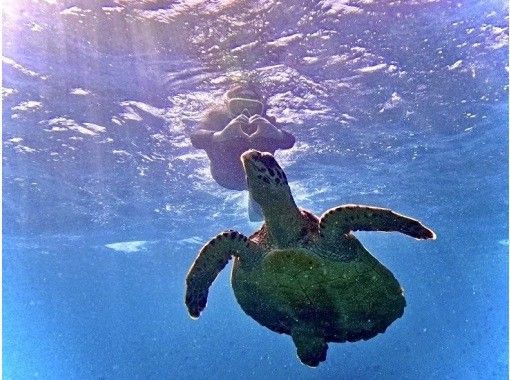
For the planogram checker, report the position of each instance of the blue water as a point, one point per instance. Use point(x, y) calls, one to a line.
point(106, 203)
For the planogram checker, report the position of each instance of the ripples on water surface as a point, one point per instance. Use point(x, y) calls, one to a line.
point(401, 104)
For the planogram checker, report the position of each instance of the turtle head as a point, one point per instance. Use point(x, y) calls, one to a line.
point(266, 180)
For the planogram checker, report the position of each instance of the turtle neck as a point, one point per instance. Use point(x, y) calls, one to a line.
point(284, 222)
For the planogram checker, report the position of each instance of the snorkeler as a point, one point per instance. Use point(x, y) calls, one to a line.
point(229, 130)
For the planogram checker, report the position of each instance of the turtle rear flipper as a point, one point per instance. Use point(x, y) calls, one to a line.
point(344, 219)
point(311, 347)
point(211, 259)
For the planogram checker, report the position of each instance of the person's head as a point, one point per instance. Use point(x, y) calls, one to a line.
point(244, 99)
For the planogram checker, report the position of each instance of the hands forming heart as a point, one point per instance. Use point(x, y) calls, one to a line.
point(249, 128)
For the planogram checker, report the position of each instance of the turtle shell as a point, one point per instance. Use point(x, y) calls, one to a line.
point(344, 301)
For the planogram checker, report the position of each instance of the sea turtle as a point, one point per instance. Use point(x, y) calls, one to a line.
point(301, 275)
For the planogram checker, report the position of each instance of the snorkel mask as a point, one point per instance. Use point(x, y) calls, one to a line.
point(244, 101)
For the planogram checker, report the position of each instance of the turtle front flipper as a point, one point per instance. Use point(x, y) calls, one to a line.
point(211, 259)
point(311, 347)
point(344, 219)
